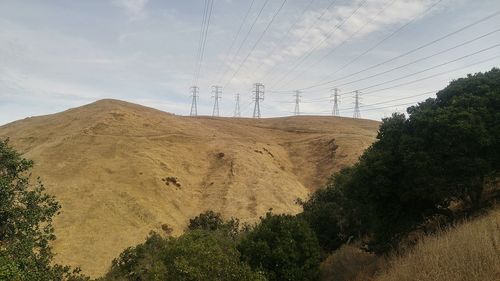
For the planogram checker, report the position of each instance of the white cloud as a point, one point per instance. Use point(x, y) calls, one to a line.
point(317, 30)
point(135, 9)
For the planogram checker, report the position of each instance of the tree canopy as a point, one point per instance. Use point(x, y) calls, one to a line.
point(445, 151)
point(197, 255)
point(284, 247)
point(26, 213)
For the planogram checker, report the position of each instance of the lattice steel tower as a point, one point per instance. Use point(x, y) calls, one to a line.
point(297, 96)
point(335, 100)
point(258, 95)
point(237, 112)
point(216, 95)
point(357, 114)
point(194, 104)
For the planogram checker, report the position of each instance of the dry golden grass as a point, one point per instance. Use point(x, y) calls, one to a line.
point(121, 170)
point(468, 252)
point(349, 263)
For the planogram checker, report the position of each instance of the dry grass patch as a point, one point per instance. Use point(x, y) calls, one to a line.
point(468, 252)
point(349, 263)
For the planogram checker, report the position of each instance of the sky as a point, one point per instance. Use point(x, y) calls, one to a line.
point(59, 54)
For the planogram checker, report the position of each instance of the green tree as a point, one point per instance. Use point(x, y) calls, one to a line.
point(282, 246)
point(26, 230)
point(197, 255)
point(212, 221)
point(446, 150)
point(333, 218)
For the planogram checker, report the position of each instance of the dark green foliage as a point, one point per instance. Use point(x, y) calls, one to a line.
point(334, 218)
point(195, 256)
point(212, 221)
point(445, 151)
point(282, 246)
point(26, 213)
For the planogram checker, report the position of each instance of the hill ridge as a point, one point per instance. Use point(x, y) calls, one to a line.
point(121, 170)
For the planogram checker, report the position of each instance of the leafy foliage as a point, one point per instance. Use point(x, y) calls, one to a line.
point(212, 221)
point(282, 246)
point(195, 256)
point(334, 218)
point(26, 213)
point(445, 151)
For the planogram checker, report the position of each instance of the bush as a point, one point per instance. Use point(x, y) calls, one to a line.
point(349, 263)
point(212, 221)
point(334, 218)
point(195, 256)
point(282, 246)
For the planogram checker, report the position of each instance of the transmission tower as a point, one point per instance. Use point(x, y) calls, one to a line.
point(297, 102)
point(237, 112)
point(216, 95)
point(335, 96)
point(357, 114)
point(194, 105)
point(258, 94)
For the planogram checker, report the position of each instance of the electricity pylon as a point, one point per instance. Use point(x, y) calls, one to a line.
point(237, 112)
point(216, 95)
point(258, 95)
point(357, 114)
point(297, 102)
point(194, 105)
point(335, 100)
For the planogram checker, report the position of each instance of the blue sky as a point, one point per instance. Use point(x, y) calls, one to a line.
point(56, 55)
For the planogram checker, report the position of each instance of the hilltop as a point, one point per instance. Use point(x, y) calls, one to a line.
point(121, 170)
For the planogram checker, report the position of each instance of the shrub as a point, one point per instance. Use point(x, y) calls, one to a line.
point(349, 263)
point(212, 221)
point(282, 246)
point(195, 256)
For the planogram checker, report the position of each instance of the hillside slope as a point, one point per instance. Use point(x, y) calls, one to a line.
point(121, 170)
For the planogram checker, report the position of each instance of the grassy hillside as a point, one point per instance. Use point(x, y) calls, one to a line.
point(121, 170)
point(470, 251)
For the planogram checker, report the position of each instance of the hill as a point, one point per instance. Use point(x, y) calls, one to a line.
point(469, 251)
point(121, 170)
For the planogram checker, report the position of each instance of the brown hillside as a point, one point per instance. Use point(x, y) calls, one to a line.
point(121, 170)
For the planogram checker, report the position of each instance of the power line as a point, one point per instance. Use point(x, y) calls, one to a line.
point(387, 37)
point(430, 68)
point(421, 59)
point(200, 41)
point(432, 76)
point(204, 41)
point(275, 48)
point(314, 48)
point(414, 81)
point(404, 54)
point(398, 99)
point(257, 42)
point(245, 39)
point(307, 32)
point(234, 40)
point(322, 58)
point(421, 71)
point(383, 107)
